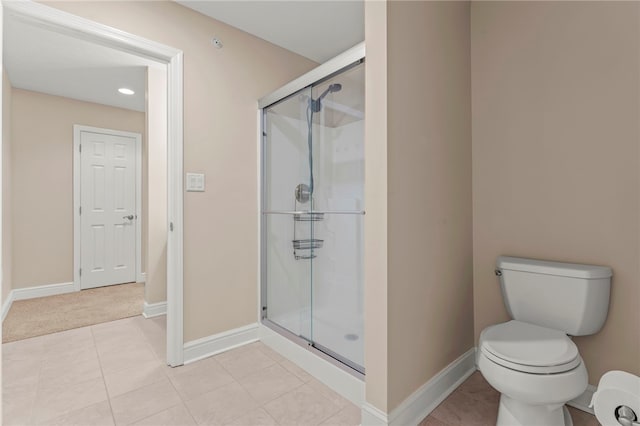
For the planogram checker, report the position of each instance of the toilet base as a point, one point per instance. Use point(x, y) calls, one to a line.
point(516, 413)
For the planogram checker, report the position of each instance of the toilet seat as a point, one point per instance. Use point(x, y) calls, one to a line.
point(529, 348)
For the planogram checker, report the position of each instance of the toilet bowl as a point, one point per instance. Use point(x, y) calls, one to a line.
point(531, 360)
point(536, 370)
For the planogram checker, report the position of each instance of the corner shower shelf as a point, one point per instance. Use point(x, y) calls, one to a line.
point(308, 244)
point(303, 249)
point(304, 256)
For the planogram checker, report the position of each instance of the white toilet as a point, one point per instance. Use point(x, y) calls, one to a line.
point(530, 360)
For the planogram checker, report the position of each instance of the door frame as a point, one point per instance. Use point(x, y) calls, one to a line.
point(77, 218)
point(62, 22)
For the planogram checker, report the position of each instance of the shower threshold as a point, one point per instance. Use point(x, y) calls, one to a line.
point(318, 350)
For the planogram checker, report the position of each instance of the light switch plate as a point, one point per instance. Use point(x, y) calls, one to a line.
point(195, 182)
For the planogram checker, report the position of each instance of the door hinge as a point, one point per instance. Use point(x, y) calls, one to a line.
point(80, 210)
point(171, 226)
point(80, 147)
point(80, 271)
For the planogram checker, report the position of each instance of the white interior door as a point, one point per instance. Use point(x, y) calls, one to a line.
point(108, 209)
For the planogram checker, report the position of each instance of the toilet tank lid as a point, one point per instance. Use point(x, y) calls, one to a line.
point(546, 267)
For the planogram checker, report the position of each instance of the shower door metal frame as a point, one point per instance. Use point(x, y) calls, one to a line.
point(337, 65)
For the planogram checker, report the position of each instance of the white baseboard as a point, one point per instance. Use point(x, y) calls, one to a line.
point(211, 345)
point(34, 292)
point(583, 401)
point(424, 400)
point(154, 309)
point(372, 416)
point(7, 305)
point(342, 382)
point(142, 277)
point(42, 291)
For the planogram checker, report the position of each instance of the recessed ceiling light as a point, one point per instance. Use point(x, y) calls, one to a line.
point(126, 91)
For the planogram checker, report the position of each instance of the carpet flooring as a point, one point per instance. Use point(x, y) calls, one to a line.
point(46, 315)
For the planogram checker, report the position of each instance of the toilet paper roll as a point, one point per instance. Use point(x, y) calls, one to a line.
point(616, 388)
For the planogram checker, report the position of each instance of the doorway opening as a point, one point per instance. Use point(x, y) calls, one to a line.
point(44, 17)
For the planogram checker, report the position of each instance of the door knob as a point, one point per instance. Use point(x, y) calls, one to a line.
point(130, 217)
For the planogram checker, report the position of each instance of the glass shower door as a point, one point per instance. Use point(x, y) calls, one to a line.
point(287, 240)
point(312, 215)
point(337, 272)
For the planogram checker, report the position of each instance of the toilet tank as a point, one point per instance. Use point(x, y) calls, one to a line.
point(570, 297)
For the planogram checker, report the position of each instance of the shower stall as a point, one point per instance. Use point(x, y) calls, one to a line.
point(312, 212)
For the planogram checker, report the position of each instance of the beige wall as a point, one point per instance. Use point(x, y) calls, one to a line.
point(221, 91)
point(555, 154)
point(42, 180)
point(7, 232)
point(421, 138)
point(429, 191)
point(156, 165)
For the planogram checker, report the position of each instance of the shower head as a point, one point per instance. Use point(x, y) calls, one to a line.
point(316, 105)
point(335, 87)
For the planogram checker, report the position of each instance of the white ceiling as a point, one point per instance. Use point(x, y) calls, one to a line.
point(44, 61)
point(316, 29)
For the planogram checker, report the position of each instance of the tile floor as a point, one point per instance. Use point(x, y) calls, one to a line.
point(113, 373)
point(475, 403)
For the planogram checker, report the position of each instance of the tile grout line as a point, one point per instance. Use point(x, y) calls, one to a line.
point(104, 381)
point(43, 361)
point(32, 405)
point(164, 363)
point(142, 340)
point(303, 383)
point(182, 401)
point(290, 391)
point(340, 410)
point(162, 411)
point(332, 414)
point(145, 340)
point(278, 396)
point(237, 382)
point(146, 386)
point(281, 363)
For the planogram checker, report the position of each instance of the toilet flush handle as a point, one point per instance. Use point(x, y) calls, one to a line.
point(626, 416)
